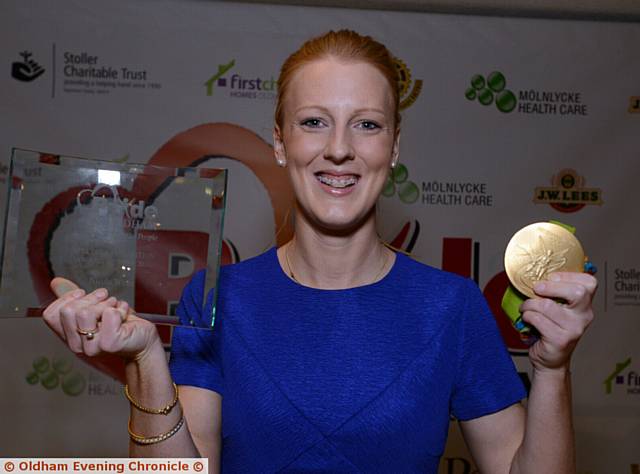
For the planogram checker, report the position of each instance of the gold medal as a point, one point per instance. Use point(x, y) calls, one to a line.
point(537, 250)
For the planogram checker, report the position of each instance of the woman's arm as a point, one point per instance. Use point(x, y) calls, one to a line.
point(151, 386)
point(94, 324)
point(540, 439)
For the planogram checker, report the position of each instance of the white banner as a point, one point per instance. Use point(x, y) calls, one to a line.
point(505, 122)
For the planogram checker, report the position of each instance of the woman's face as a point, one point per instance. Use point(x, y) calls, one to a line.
point(338, 140)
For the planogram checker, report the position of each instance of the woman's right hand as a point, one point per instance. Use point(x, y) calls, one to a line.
point(112, 326)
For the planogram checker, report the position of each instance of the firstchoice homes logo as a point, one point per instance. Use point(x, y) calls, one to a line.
point(256, 87)
point(493, 90)
point(629, 379)
point(239, 86)
point(26, 70)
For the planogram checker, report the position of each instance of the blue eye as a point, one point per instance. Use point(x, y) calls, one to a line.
point(311, 123)
point(369, 125)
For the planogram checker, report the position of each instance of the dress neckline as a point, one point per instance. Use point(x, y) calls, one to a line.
point(281, 274)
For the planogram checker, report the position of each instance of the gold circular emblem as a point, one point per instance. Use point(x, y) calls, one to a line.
point(539, 249)
point(404, 76)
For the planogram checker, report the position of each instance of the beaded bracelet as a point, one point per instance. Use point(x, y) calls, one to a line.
point(154, 439)
point(153, 411)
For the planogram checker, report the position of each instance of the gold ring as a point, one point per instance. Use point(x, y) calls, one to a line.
point(90, 333)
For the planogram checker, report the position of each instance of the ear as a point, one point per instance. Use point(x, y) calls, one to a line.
point(278, 147)
point(395, 151)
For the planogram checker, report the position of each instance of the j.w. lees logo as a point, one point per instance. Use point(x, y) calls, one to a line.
point(567, 192)
point(136, 214)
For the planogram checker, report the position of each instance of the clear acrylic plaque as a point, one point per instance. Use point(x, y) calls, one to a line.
point(140, 231)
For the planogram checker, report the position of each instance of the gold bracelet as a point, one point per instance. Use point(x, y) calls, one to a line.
point(153, 411)
point(154, 439)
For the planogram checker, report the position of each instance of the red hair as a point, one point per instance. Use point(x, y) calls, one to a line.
point(346, 45)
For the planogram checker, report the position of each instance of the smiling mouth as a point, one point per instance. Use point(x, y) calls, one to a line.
point(339, 182)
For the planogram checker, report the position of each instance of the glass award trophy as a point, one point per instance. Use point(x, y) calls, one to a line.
point(140, 231)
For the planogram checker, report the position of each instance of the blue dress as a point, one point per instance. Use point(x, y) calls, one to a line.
point(343, 381)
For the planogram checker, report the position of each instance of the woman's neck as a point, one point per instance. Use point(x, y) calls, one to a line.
point(328, 260)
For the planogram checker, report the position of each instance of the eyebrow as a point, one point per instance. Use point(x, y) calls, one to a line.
point(324, 109)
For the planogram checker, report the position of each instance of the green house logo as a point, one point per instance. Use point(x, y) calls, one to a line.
point(218, 78)
point(616, 376)
point(492, 90)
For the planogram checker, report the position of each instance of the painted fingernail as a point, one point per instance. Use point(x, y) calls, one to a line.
point(554, 277)
point(539, 286)
point(101, 293)
point(78, 293)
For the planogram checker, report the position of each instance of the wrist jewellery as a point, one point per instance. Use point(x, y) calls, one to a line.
point(154, 439)
point(154, 411)
point(533, 253)
point(136, 438)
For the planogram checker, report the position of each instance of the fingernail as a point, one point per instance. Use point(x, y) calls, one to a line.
point(539, 286)
point(554, 277)
point(101, 293)
point(78, 293)
point(65, 287)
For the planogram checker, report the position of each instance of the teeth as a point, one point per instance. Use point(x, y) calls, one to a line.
point(337, 182)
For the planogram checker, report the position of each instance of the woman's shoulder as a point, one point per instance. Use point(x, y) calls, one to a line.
point(253, 268)
point(413, 268)
point(426, 281)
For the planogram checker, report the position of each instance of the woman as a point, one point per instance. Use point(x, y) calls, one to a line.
point(333, 353)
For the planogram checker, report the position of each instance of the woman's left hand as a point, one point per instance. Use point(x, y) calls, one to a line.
point(560, 325)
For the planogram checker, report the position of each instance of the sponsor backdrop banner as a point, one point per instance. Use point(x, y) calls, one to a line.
point(505, 122)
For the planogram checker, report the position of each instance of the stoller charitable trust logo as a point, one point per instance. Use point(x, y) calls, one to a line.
point(567, 192)
point(493, 90)
point(26, 70)
point(620, 376)
point(241, 86)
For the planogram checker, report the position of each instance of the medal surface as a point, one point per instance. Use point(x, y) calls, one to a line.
point(539, 249)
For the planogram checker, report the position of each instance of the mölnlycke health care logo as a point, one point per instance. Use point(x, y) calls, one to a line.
point(398, 183)
point(493, 90)
point(58, 372)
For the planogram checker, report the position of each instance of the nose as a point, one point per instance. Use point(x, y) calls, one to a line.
point(339, 147)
